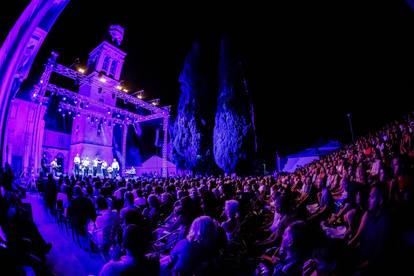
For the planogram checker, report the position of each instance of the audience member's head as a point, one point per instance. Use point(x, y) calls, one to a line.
point(294, 238)
point(133, 240)
point(203, 231)
point(231, 208)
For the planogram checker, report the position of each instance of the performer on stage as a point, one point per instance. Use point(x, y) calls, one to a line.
point(115, 168)
point(54, 166)
point(109, 171)
point(104, 168)
point(77, 162)
point(85, 164)
point(44, 166)
point(95, 165)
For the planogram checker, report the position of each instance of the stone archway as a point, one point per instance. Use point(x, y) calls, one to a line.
point(19, 51)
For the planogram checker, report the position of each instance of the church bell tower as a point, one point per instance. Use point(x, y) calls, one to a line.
point(92, 135)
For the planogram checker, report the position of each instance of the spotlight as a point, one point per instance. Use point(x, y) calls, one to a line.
point(109, 112)
point(81, 70)
point(69, 112)
point(125, 90)
point(78, 114)
point(64, 98)
point(60, 109)
point(140, 94)
point(101, 78)
point(119, 87)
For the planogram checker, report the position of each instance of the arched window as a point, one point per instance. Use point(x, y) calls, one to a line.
point(106, 63)
point(113, 67)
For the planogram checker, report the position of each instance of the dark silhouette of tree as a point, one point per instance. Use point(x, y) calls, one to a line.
point(192, 129)
point(234, 137)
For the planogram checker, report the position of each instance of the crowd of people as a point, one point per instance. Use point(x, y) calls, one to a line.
point(348, 213)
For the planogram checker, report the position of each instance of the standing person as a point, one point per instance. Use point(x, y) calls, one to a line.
point(85, 164)
point(115, 168)
point(77, 162)
point(54, 166)
point(104, 168)
point(44, 166)
point(95, 165)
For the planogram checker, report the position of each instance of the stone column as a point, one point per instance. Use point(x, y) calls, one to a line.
point(164, 147)
point(124, 142)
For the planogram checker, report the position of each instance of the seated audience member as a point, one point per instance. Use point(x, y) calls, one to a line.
point(325, 261)
point(231, 225)
point(292, 252)
point(152, 213)
point(198, 250)
point(80, 211)
point(134, 262)
point(140, 200)
point(128, 204)
point(283, 216)
point(371, 241)
point(106, 220)
point(326, 203)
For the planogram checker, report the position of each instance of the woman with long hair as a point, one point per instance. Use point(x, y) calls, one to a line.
point(198, 250)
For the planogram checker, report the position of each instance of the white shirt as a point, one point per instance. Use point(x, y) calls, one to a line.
point(115, 165)
point(85, 162)
point(77, 160)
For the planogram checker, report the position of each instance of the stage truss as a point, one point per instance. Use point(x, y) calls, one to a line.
point(78, 104)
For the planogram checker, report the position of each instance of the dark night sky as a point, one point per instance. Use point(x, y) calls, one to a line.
point(307, 65)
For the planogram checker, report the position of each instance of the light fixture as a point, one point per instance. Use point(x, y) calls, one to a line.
point(102, 79)
point(81, 70)
point(140, 94)
point(125, 90)
point(119, 87)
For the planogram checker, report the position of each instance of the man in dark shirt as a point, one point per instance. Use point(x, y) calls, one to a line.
point(81, 210)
